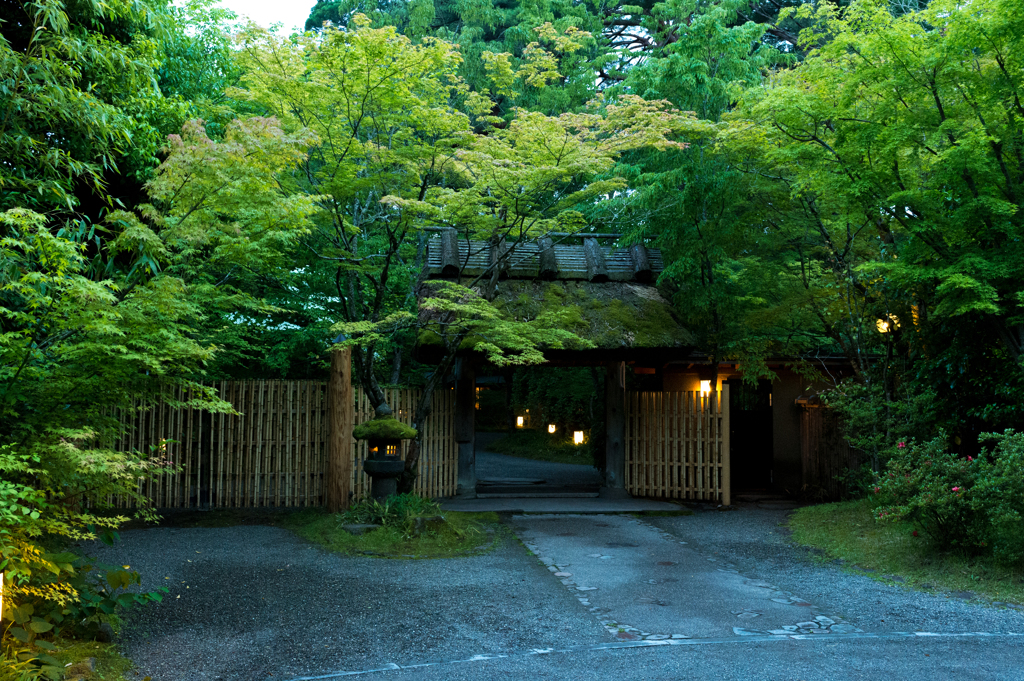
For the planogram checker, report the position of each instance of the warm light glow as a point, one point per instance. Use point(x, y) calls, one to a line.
point(705, 387)
point(519, 421)
point(577, 437)
point(888, 324)
point(552, 428)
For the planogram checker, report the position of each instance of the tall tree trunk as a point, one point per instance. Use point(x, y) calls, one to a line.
point(396, 366)
point(423, 410)
point(368, 380)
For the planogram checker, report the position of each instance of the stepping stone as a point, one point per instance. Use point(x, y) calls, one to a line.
point(563, 574)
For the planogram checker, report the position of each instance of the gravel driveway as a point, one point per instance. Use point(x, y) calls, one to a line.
point(257, 602)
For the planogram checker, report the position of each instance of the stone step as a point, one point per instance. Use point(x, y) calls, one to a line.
point(533, 494)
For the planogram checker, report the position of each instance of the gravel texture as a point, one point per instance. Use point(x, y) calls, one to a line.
point(824, 659)
point(758, 542)
point(258, 602)
point(261, 603)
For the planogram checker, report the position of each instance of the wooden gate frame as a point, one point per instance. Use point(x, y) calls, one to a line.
point(667, 439)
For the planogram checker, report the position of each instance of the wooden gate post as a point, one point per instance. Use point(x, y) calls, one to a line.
point(340, 418)
point(465, 427)
point(615, 424)
point(726, 473)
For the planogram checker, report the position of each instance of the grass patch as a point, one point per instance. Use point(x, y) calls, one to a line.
point(462, 534)
point(543, 446)
point(110, 664)
point(848, 530)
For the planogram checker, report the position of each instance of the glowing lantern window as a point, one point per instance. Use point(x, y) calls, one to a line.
point(577, 437)
point(519, 421)
point(705, 387)
point(552, 428)
point(888, 324)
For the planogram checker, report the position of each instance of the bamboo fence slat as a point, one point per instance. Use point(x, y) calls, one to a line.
point(676, 445)
point(273, 451)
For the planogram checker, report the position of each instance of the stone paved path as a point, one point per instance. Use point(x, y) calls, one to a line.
point(642, 583)
point(494, 465)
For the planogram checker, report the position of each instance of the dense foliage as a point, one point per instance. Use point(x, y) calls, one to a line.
point(975, 505)
point(182, 198)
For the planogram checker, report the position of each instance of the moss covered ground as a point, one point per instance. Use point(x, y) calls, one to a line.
point(110, 664)
point(890, 552)
point(462, 534)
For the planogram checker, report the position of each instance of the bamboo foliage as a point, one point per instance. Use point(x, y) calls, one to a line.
point(677, 445)
point(273, 452)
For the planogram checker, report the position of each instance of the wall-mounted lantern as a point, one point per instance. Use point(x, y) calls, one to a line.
point(705, 388)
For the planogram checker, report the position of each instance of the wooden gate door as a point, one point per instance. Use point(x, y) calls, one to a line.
point(677, 445)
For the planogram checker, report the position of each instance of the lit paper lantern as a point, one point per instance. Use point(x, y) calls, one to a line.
point(577, 437)
point(519, 421)
point(552, 428)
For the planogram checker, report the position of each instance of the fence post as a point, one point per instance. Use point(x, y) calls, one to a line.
point(726, 473)
point(340, 418)
point(465, 426)
point(615, 424)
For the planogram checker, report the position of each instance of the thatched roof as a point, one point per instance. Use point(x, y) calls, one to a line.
point(613, 315)
point(607, 292)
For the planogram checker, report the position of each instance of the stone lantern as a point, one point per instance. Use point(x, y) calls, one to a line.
point(383, 464)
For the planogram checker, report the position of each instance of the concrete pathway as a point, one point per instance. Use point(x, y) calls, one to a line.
point(645, 584)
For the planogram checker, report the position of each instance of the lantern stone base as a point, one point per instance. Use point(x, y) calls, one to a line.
point(384, 474)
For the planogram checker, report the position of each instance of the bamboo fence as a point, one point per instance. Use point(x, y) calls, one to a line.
point(677, 445)
point(273, 452)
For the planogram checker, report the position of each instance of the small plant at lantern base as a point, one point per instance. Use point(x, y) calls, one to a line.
point(383, 438)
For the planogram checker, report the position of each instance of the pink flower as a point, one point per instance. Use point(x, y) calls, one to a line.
point(901, 445)
point(970, 458)
point(877, 490)
point(956, 489)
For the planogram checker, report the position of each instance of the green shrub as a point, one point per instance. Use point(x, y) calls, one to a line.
point(48, 495)
point(396, 511)
point(975, 505)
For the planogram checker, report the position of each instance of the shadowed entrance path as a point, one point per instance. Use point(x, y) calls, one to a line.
point(645, 584)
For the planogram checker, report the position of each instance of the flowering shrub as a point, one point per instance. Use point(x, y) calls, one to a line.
point(976, 505)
